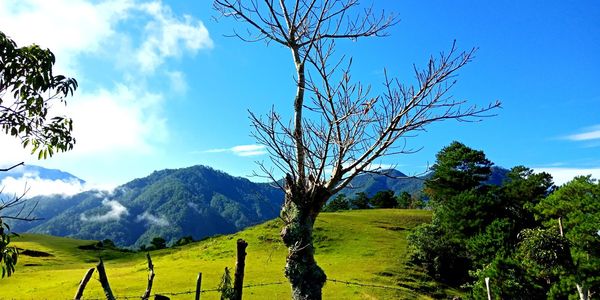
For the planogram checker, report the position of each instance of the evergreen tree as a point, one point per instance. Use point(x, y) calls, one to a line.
point(384, 199)
point(340, 202)
point(361, 201)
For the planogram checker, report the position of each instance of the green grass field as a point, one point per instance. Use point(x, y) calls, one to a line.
point(366, 246)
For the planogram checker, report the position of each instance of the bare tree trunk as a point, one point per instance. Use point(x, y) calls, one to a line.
point(306, 277)
point(238, 282)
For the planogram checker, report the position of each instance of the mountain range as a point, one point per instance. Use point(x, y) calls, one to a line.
point(197, 201)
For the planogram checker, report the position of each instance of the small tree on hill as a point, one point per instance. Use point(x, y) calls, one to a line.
point(340, 202)
point(158, 243)
point(384, 199)
point(405, 200)
point(360, 201)
point(338, 128)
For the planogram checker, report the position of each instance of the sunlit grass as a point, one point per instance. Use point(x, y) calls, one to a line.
point(366, 246)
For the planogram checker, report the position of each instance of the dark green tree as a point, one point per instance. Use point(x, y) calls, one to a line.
point(158, 243)
point(384, 199)
point(458, 168)
point(405, 200)
point(360, 201)
point(28, 88)
point(340, 202)
point(573, 211)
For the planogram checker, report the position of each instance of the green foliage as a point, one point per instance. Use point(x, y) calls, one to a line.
point(158, 243)
point(8, 255)
point(26, 76)
point(340, 202)
point(544, 252)
point(442, 255)
point(226, 286)
point(184, 240)
point(476, 224)
point(384, 199)
point(360, 201)
point(458, 168)
point(508, 280)
point(405, 200)
point(577, 204)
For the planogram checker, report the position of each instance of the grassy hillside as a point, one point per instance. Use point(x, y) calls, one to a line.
point(359, 246)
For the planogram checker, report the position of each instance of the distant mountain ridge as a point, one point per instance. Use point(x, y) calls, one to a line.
point(41, 172)
point(197, 201)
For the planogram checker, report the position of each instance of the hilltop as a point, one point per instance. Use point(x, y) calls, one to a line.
point(349, 247)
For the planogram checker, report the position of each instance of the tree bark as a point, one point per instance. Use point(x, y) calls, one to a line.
point(299, 213)
point(584, 292)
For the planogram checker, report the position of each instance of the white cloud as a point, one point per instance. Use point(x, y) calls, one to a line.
point(68, 27)
point(35, 186)
point(564, 175)
point(152, 219)
point(590, 133)
point(123, 114)
point(169, 36)
point(241, 150)
point(117, 210)
point(124, 118)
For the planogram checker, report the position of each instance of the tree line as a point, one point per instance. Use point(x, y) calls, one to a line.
point(531, 239)
point(382, 199)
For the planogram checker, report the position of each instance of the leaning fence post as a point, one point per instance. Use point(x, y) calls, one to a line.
point(104, 281)
point(83, 283)
point(146, 295)
point(198, 286)
point(238, 282)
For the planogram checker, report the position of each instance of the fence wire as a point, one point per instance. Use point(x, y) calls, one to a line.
point(354, 283)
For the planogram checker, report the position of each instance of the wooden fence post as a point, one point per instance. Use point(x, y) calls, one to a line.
point(146, 295)
point(104, 281)
point(238, 282)
point(198, 286)
point(487, 286)
point(83, 283)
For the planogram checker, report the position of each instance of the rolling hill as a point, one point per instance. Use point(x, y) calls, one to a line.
point(364, 246)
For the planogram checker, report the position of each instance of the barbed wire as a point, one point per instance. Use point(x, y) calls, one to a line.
point(366, 284)
point(188, 291)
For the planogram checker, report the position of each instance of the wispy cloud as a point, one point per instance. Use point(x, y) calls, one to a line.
point(587, 134)
point(33, 185)
point(241, 150)
point(152, 219)
point(116, 212)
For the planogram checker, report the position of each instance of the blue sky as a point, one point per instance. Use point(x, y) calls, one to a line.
point(162, 87)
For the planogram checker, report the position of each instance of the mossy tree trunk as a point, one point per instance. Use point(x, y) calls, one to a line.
point(299, 213)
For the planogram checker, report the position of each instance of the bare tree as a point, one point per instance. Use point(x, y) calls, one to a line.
point(338, 128)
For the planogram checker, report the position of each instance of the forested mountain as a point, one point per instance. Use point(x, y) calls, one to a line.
point(197, 201)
